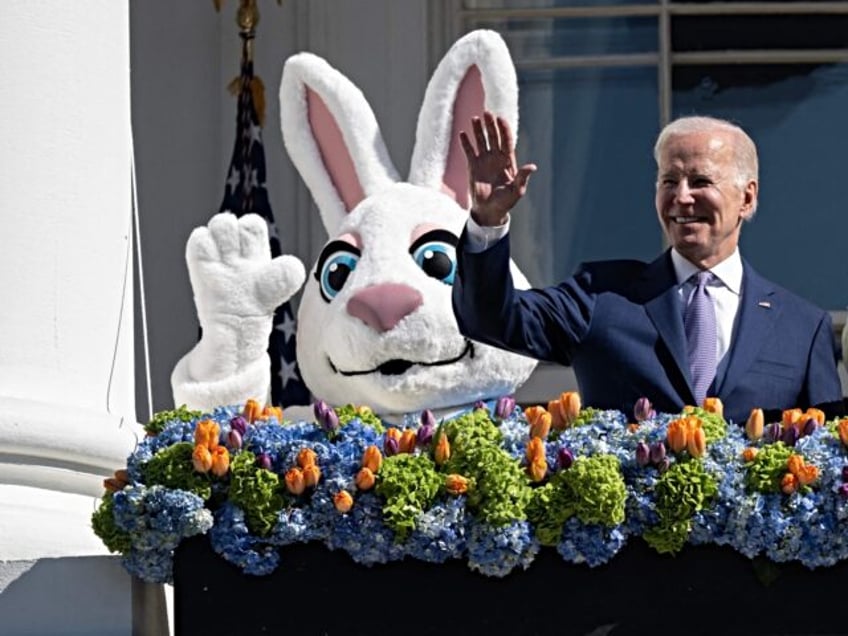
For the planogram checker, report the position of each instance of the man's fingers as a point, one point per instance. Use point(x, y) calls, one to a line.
point(467, 146)
point(479, 135)
point(523, 176)
point(492, 132)
point(507, 140)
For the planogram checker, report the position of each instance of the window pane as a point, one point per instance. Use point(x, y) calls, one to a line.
point(591, 132)
point(799, 123)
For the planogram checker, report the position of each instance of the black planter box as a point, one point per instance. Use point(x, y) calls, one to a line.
point(702, 590)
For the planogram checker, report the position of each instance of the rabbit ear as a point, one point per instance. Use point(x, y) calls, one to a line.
point(476, 74)
point(332, 137)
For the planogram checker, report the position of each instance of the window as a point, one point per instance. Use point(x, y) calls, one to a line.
point(599, 78)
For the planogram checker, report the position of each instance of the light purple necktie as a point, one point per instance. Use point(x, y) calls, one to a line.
point(699, 321)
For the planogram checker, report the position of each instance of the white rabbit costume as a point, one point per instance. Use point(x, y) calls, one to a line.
point(375, 324)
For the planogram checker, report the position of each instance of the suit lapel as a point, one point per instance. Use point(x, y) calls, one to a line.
point(657, 289)
point(758, 311)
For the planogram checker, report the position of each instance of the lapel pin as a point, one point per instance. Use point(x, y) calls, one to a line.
point(764, 303)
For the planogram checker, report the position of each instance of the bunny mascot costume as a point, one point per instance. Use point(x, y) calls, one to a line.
point(375, 325)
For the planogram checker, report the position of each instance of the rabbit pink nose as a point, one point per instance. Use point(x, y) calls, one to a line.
point(381, 307)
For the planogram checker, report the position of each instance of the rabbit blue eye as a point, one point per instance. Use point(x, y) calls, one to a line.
point(338, 259)
point(435, 253)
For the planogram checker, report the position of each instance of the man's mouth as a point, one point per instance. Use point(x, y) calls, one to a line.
point(686, 220)
point(398, 366)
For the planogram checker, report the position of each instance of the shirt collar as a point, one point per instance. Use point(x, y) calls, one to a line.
point(729, 271)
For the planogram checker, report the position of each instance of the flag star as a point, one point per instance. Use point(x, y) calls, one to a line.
point(234, 179)
point(288, 373)
point(252, 181)
point(255, 133)
point(287, 326)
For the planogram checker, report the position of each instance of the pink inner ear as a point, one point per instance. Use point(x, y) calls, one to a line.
point(470, 102)
point(333, 150)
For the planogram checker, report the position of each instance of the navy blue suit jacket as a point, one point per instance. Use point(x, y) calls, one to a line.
point(620, 325)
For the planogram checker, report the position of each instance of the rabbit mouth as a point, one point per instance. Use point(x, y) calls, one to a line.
point(398, 366)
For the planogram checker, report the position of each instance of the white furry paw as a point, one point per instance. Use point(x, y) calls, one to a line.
point(232, 273)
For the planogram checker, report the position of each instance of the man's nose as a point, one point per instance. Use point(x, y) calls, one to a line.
point(683, 193)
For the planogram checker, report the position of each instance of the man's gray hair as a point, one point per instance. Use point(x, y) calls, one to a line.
point(744, 149)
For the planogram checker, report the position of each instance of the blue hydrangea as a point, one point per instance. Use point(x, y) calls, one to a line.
point(498, 550)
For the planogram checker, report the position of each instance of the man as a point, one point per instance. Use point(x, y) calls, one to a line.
point(633, 329)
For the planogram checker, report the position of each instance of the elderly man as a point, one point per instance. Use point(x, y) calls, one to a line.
point(698, 321)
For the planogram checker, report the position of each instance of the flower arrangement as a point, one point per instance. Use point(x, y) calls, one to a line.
point(492, 485)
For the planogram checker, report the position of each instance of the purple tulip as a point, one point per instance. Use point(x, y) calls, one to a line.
point(239, 424)
point(425, 434)
point(845, 473)
point(789, 436)
point(504, 407)
point(771, 432)
point(643, 454)
point(328, 420)
point(427, 418)
point(234, 440)
point(479, 404)
point(391, 446)
point(657, 452)
point(843, 490)
point(565, 458)
point(320, 409)
point(663, 465)
point(643, 409)
point(809, 426)
point(264, 461)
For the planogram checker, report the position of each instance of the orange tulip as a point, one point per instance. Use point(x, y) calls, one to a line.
point(343, 501)
point(442, 452)
point(571, 405)
point(632, 427)
point(393, 433)
point(113, 485)
point(372, 459)
point(531, 413)
point(295, 483)
point(696, 441)
point(789, 483)
point(306, 457)
point(538, 468)
point(311, 475)
point(714, 405)
point(220, 461)
point(792, 417)
point(541, 425)
point(816, 414)
point(272, 411)
point(535, 449)
point(365, 479)
point(755, 424)
point(406, 444)
point(749, 454)
point(794, 464)
point(122, 475)
point(252, 411)
point(201, 459)
point(559, 417)
point(808, 475)
point(456, 484)
point(677, 435)
point(842, 429)
point(206, 433)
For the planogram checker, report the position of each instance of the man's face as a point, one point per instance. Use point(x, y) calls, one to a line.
point(699, 201)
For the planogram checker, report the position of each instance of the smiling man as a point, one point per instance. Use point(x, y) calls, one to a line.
point(697, 321)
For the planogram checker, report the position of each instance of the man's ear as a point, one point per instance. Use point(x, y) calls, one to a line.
point(749, 199)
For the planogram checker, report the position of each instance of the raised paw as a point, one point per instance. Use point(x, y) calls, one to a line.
point(232, 273)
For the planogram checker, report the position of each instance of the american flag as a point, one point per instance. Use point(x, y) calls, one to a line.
point(244, 193)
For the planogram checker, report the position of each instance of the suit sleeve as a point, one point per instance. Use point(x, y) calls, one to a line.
point(824, 388)
point(546, 324)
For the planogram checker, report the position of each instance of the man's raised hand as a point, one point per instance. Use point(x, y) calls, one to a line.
point(495, 180)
